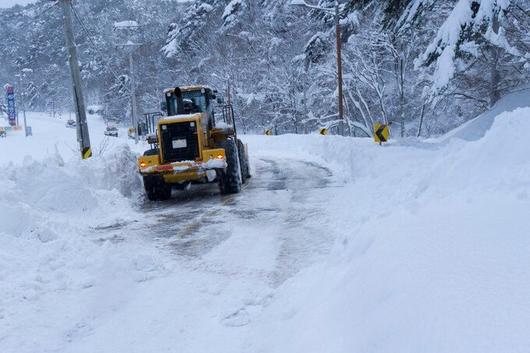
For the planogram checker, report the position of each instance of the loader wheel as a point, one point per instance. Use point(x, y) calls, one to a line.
point(156, 188)
point(243, 160)
point(230, 178)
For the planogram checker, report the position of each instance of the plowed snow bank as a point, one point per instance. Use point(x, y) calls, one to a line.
point(433, 252)
point(47, 209)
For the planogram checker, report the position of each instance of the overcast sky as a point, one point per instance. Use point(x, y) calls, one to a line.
point(9, 3)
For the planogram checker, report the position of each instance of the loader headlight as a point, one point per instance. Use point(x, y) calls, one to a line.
point(220, 156)
point(143, 165)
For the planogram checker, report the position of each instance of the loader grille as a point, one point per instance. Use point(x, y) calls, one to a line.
point(179, 142)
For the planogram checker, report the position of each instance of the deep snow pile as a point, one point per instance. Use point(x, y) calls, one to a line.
point(47, 208)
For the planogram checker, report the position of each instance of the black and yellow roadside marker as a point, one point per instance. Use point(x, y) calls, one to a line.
point(268, 132)
point(381, 133)
point(324, 131)
point(87, 153)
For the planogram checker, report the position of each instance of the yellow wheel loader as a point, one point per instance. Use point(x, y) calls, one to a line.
point(195, 143)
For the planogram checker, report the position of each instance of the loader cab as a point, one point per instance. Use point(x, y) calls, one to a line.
point(215, 114)
point(190, 100)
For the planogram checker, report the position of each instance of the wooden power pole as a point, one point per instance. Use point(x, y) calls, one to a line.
point(339, 61)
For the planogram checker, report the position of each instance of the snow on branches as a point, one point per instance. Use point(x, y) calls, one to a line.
point(181, 35)
point(468, 20)
point(232, 12)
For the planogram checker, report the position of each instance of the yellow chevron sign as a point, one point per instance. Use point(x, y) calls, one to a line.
point(381, 132)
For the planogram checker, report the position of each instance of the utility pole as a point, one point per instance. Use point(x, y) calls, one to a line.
point(339, 60)
point(133, 97)
point(82, 128)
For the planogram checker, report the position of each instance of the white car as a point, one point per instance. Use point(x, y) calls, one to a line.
point(111, 131)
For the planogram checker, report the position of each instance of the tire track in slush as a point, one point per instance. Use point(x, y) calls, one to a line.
point(287, 193)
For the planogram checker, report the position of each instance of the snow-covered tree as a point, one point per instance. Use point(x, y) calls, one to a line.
point(279, 60)
point(483, 45)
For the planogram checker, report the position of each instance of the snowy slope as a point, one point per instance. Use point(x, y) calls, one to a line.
point(428, 249)
point(477, 128)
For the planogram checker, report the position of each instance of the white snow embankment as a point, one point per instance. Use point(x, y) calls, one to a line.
point(433, 254)
point(335, 152)
point(50, 211)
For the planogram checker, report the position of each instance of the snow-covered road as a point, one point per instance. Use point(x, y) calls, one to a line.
point(229, 254)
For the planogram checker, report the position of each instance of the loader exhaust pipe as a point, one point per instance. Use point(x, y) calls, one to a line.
point(180, 101)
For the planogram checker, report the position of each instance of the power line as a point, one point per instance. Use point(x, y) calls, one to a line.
point(89, 36)
point(47, 8)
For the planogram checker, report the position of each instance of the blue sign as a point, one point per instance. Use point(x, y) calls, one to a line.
point(11, 108)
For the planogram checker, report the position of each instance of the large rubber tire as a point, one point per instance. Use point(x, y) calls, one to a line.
point(243, 162)
point(156, 188)
point(230, 178)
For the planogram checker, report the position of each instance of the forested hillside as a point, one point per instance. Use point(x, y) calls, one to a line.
point(425, 65)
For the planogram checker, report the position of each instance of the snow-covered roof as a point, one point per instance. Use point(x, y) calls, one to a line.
point(182, 117)
point(187, 88)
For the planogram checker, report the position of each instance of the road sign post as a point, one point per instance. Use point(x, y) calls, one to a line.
point(11, 105)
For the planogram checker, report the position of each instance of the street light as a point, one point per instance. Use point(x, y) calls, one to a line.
point(127, 26)
point(335, 11)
